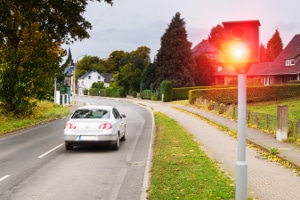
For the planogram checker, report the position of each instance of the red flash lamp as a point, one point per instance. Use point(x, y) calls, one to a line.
point(241, 45)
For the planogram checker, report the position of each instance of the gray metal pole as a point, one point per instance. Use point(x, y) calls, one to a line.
point(241, 164)
point(54, 90)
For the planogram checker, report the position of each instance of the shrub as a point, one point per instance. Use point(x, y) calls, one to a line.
point(155, 96)
point(146, 94)
point(221, 109)
point(211, 105)
point(85, 91)
point(134, 94)
point(168, 91)
point(162, 87)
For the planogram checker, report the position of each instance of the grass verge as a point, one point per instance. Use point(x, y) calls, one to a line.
point(181, 170)
point(43, 112)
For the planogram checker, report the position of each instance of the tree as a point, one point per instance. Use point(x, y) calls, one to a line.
point(148, 77)
point(216, 36)
point(133, 64)
point(86, 64)
point(274, 46)
point(174, 58)
point(24, 73)
point(263, 53)
point(204, 70)
point(31, 33)
point(117, 59)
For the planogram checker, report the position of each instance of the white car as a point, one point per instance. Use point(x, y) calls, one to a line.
point(95, 125)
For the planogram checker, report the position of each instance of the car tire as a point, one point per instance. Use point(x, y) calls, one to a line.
point(68, 146)
point(124, 137)
point(117, 145)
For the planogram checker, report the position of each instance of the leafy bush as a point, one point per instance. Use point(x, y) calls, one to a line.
point(134, 94)
point(211, 105)
point(95, 92)
point(99, 85)
point(168, 91)
point(155, 96)
point(85, 91)
point(221, 109)
point(146, 94)
point(162, 87)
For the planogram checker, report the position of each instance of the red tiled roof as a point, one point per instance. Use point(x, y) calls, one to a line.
point(291, 51)
point(204, 47)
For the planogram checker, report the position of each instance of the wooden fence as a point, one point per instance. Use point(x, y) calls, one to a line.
point(261, 121)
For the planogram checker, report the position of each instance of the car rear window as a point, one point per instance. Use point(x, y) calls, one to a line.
point(93, 114)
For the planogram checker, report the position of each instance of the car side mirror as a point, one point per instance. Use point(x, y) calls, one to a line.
point(123, 116)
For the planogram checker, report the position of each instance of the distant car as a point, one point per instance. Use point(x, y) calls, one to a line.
point(95, 125)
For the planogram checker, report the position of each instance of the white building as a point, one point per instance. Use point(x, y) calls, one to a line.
point(86, 81)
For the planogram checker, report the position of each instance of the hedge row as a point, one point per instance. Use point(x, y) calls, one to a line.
point(107, 92)
point(254, 94)
point(183, 93)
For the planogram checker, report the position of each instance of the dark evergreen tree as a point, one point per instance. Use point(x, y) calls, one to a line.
point(204, 73)
point(216, 36)
point(148, 77)
point(174, 58)
point(274, 46)
point(263, 53)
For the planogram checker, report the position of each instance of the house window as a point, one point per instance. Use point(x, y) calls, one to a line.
point(292, 62)
point(82, 83)
point(266, 81)
point(89, 77)
point(98, 77)
point(287, 62)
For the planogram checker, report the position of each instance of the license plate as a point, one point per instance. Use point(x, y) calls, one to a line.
point(86, 138)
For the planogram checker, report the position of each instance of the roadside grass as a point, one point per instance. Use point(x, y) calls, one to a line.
point(43, 112)
point(271, 107)
point(181, 170)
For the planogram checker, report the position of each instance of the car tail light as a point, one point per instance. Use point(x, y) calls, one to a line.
point(70, 126)
point(105, 126)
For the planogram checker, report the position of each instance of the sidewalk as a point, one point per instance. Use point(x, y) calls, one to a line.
point(287, 151)
point(266, 180)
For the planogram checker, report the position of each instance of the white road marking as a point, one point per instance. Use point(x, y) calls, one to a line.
point(50, 151)
point(4, 177)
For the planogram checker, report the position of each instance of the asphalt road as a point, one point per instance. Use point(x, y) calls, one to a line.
point(35, 165)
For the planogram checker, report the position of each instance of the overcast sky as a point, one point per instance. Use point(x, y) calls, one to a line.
point(129, 24)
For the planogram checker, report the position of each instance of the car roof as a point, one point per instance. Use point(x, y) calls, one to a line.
point(95, 107)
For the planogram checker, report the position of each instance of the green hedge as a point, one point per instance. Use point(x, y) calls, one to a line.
point(107, 92)
point(254, 94)
point(168, 91)
point(183, 93)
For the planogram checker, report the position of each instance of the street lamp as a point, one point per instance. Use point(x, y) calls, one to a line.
point(241, 50)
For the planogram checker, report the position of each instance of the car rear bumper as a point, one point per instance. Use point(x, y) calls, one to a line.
point(76, 140)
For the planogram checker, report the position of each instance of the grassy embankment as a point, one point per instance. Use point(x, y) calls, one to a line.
point(271, 107)
point(45, 111)
point(181, 170)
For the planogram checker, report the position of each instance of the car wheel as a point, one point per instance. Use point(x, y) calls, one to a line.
point(117, 145)
point(124, 137)
point(68, 146)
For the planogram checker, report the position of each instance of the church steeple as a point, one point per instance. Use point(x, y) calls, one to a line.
point(69, 61)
